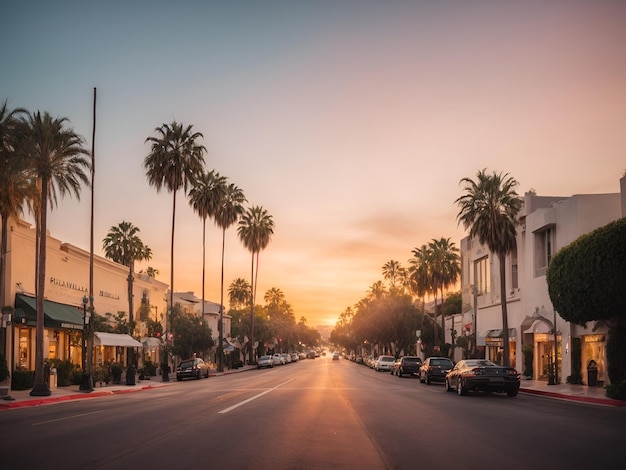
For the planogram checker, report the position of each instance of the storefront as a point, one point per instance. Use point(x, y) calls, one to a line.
point(63, 326)
point(494, 346)
point(593, 348)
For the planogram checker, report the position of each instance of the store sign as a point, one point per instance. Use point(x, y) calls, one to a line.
point(69, 285)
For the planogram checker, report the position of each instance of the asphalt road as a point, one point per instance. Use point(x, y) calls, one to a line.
point(315, 414)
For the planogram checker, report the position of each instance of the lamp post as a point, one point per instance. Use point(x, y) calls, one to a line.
point(85, 385)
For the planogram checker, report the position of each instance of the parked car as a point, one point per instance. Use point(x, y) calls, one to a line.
point(278, 360)
point(192, 368)
point(407, 365)
point(335, 356)
point(294, 357)
point(265, 361)
point(286, 358)
point(483, 375)
point(384, 363)
point(434, 369)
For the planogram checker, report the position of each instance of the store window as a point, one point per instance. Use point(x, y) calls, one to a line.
point(482, 274)
point(544, 249)
point(24, 349)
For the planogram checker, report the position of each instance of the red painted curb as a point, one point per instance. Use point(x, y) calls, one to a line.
point(592, 400)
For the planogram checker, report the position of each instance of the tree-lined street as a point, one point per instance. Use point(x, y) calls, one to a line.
point(312, 414)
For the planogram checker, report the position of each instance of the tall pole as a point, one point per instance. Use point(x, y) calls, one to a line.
point(556, 357)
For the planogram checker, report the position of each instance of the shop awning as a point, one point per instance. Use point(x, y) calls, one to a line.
point(494, 334)
point(114, 339)
point(540, 326)
point(56, 315)
point(151, 343)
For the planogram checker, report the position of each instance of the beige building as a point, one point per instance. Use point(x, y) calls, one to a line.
point(547, 224)
point(67, 287)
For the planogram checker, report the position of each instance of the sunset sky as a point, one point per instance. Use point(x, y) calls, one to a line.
point(351, 122)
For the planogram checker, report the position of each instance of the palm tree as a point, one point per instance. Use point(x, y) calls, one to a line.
point(419, 278)
point(255, 231)
point(175, 161)
point(57, 158)
point(445, 268)
point(489, 208)
point(228, 212)
point(239, 293)
point(205, 197)
point(394, 273)
point(123, 246)
point(16, 185)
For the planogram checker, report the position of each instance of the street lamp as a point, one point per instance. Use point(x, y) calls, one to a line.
point(85, 385)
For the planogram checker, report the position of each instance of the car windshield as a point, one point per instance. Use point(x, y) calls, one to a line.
point(186, 364)
point(479, 363)
point(440, 362)
point(411, 360)
point(265, 358)
point(387, 358)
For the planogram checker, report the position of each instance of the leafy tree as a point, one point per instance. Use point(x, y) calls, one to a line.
point(489, 208)
point(394, 273)
point(191, 335)
point(445, 270)
point(255, 231)
point(586, 282)
point(175, 161)
point(56, 156)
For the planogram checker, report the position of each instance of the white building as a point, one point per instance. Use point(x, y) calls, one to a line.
point(67, 284)
point(547, 224)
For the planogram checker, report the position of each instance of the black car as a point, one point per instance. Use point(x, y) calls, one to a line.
point(194, 368)
point(407, 365)
point(483, 375)
point(434, 369)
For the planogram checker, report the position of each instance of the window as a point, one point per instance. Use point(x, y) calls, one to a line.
point(544, 249)
point(482, 275)
point(514, 272)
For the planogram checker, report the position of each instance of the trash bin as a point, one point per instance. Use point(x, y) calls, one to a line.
point(592, 373)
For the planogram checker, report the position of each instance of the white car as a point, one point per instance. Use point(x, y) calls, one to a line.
point(384, 363)
point(265, 361)
point(278, 360)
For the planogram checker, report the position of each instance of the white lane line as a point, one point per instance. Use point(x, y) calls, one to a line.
point(237, 405)
point(65, 418)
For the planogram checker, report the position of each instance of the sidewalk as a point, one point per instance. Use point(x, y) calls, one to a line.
point(22, 398)
point(564, 391)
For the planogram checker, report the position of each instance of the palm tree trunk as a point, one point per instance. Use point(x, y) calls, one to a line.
point(220, 325)
point(168, 313)
point(40, 387)
point(203, 261)
point(505, 319)
point(443, 324)
point(252, 289)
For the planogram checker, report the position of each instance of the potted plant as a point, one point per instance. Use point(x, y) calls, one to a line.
point(116, 372)
point(528, 352)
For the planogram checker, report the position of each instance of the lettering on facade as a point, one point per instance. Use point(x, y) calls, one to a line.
point(70, 285)
point(71, 326)
point(108, 295)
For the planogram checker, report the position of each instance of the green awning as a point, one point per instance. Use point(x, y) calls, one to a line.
point(56, 315)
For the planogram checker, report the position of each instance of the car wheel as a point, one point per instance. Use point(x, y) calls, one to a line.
point(448, 388)
point(427, 379)
point(179, 379)
point(421, 378)
point(459, 389)
point(400, 373)
point(512, 393)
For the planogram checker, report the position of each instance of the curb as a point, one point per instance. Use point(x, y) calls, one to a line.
point(590, 400)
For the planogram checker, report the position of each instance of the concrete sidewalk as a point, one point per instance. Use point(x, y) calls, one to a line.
point(21, 398)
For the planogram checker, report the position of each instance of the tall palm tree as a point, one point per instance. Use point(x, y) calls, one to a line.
point(489, 208)
point(205, 197)
point(175, 161)
point(230, 209)
point(123, 245)
point(419, 278)
point(17, 187)
point(57, 157)
point(394, 273)
point(255, 231)
point(239, 293)
point(446, 269)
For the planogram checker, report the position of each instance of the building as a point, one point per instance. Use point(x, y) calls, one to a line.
point(67, 288)
point(547, 224)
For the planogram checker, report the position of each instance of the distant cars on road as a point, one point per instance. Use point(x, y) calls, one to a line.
point(407, 365)
point(434, 369)
point(194, 368)
point(483, 375)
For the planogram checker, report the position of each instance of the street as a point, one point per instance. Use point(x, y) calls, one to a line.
point(314, 414)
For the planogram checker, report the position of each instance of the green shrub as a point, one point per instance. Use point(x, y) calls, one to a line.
point(149, 369)
point(617, 391)
point(528, 352)
point(67, 373)
point(22, 379)
point(4, 369)
point(576, 377)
